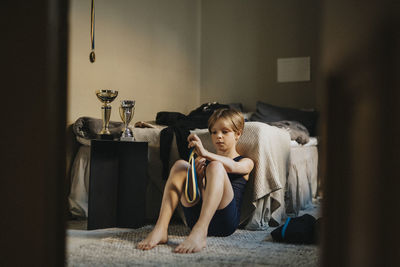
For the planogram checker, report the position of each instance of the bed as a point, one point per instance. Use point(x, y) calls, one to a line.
point(283, 181)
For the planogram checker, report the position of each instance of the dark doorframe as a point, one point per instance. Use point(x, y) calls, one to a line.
point(33, 45)
point(360, 59)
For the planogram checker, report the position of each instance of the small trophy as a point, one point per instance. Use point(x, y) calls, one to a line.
point(106, 97)
point(126, 111)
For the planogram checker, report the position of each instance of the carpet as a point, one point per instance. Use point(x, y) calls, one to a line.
point(116, 247)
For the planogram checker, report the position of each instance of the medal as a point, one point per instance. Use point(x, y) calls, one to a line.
point(192, 191)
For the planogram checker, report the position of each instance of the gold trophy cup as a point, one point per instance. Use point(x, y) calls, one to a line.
point(126, 111)
point(106, 97)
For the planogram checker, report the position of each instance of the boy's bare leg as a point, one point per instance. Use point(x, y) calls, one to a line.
point(217, 195)
point(172, 192)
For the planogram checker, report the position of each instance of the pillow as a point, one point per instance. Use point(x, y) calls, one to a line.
point(269, 113)
point(88, 128)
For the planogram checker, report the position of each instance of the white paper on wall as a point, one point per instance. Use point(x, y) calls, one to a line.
point(296, 69)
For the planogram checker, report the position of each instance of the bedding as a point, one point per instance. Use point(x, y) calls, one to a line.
point(302, 180)
point(282, 182)
point(269, 113)
point(297, 131)
point(87, 128)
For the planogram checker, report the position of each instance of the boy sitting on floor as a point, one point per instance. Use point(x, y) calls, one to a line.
point(222, 178)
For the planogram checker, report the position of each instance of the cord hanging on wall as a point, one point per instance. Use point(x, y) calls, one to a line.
point(92, 56)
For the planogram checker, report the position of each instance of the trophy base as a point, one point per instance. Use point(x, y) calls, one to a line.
point(127, 139)
point(105, 137)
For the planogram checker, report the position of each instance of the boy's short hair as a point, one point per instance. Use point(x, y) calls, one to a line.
point(233, 116)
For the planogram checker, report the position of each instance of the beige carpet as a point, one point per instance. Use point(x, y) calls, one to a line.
point(116, 247)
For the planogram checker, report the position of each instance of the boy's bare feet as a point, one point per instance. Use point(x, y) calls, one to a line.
point(195, 242)
point(155, 237)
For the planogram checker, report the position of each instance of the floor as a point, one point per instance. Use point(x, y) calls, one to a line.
point(77, 234)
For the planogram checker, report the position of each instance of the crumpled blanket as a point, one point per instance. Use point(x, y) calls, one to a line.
point(88, 128)
point(269, 148)
point(298, 132)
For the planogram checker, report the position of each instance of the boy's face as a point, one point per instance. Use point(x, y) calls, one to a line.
point(223, 136)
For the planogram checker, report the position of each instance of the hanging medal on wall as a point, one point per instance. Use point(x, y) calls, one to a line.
point(92, 56)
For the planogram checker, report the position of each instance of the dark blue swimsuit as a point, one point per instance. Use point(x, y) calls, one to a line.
point(225, 221)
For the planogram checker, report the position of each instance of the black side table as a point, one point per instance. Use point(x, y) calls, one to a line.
point(117, 184)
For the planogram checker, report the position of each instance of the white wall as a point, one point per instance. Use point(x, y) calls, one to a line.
point(148, 50)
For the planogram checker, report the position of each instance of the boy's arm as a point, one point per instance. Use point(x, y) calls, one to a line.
point(244, 166)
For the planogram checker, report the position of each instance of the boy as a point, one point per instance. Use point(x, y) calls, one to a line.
point(222, 178)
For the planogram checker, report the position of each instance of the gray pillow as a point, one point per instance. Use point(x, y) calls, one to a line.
point(269, 113)
point(88, 127)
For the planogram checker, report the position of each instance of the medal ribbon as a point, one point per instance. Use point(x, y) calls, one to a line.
point(193, 179)
point(92, 56)
point(92, 27)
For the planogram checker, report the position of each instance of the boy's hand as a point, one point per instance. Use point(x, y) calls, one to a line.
point(200, 164)
point(194, 141)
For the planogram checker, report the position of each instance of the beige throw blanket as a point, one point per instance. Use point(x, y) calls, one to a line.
point(269, 147)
